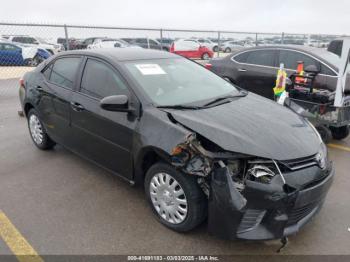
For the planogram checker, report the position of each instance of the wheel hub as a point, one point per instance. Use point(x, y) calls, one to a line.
point(36, 129)
point(168, 198)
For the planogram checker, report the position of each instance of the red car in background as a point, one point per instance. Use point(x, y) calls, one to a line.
point(191, 48)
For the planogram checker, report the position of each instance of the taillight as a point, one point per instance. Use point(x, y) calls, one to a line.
point(208, 66)
point(21, 83)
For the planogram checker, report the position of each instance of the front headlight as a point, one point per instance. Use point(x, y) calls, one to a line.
point(322, 156)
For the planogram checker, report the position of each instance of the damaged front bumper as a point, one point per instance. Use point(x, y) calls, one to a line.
point(265, 211)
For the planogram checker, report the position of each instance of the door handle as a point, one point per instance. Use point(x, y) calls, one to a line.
point(77, 107)
point(242, 70)
point(39, 88)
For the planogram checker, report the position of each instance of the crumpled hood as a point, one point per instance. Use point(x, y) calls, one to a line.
point(255, 126)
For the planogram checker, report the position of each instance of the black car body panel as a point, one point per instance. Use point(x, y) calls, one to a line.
point(264, 213)
point(246, 128)
point(238, 130)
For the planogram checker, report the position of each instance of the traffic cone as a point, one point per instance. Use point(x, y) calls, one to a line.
point(300, 73)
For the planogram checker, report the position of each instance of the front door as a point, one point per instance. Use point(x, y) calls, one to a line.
point(104, 137)
point(258, 72)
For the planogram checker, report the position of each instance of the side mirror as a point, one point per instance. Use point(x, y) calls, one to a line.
point(312, 69)
point(118, 103)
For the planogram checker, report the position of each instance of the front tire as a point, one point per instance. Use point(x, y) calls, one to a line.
point(38, 132)
point(175, 198)
point(325, 133)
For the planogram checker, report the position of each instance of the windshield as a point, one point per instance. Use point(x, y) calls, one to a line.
point(178, 81)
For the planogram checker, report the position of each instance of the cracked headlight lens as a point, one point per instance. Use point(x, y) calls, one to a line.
point(261, 173)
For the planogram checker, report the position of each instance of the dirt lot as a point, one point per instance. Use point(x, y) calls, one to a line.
point(62, 204)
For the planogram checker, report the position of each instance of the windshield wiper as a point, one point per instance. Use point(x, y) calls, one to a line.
point(180, 107)
point(223, 98)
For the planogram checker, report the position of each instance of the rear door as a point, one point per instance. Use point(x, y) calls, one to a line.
point(104, 137)
point(290, 59)
point(60, 79)
point(256, 71)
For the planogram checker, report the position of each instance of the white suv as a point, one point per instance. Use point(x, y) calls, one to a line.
point(41, 43)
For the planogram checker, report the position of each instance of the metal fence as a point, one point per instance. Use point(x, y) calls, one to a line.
point(62, 37)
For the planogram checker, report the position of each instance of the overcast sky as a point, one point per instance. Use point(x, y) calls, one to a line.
point(295, 16)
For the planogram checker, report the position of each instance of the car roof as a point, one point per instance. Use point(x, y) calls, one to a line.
point(320, 53)
point(123, 54)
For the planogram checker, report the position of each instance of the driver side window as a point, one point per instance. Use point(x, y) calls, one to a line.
point(100, 80)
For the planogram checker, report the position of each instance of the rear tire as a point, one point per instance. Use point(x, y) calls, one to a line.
point(205, 56)
point(228, 50)
point(32, 61)
point(216, 48)
point(37, 131)
point(162, 184)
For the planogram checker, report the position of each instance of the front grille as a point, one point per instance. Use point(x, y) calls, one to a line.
point(251, 219)
point(299, 213)
point(300, 163)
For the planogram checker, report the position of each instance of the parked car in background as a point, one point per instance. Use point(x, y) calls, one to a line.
point(72, 43)
point(21, 55)
point(110, 43)
point(191, 49)
point(35, 41)
point(146, 43)
point(230, 46)
point(166, 43)
point(208, 43)
point(200, 147)
point(255, 69)
point(87, 41)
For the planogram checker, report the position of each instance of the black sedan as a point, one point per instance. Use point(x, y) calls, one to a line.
point(199, 145)
point(255, 69)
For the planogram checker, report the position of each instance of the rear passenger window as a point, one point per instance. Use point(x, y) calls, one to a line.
point(241, 58)
point(99, 81)
point(261, 57)
point(64, 71)
point(290, 59)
